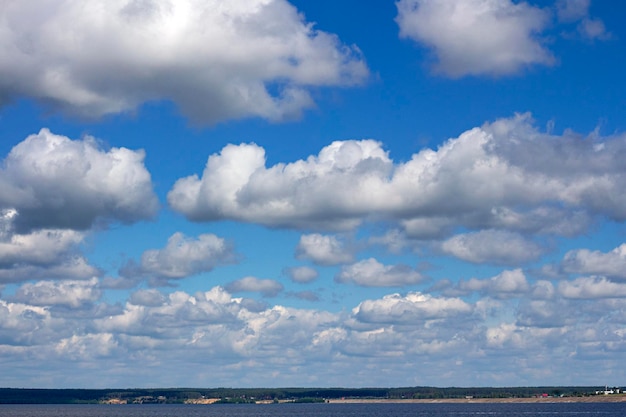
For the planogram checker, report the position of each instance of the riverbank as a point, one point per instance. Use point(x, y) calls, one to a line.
point(586, 399)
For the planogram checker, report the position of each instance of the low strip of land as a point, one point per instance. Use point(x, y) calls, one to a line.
point(303, 395)
point(586, 399)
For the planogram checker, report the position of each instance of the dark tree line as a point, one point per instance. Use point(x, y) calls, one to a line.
point(243, 395)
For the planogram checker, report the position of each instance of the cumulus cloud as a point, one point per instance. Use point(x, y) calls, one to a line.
point(87, 346)
point(267, 287)
point(228, 60)
point(181, 257)
point(50, 181)
point(41, 247)
point(476, 37)
point(40, 254)
point(543, 290)
point(65, 293)
point(302, 274)
point(504, 285)
point(323, 250)
point(235, 184)
point(413, 307)
point(584, 261)
point(545, 314)
point(371, 273)
point(491, 246)
point(505, 175)
point(150, 314)
point(592, 287)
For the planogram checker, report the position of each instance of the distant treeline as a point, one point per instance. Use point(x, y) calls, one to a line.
point(242, 395)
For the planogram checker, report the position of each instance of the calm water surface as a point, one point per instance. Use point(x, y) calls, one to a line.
point(320, 410)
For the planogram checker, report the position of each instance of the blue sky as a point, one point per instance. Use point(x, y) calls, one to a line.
point(272, 193)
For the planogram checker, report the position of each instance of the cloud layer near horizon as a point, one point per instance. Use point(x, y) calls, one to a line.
point(163, 332)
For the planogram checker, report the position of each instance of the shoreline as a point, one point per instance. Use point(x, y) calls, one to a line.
point(587, 399)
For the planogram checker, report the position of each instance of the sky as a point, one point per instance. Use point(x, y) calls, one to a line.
point(273, 193)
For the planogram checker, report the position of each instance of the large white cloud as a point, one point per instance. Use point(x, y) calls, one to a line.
point(505, 175)
point(475, 37)
point(371, 273)
point(412, 308)
point(50, 181)
point(217, 60)
point(236, 184)
point(585, 261)
point(181, 257)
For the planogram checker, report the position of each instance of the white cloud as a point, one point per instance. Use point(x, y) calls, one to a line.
point(492, 246)
point(302, 274)
point(584, 261)
point(592, 287)
point(504, 285)
point(155, 334)
point(66, 293)
point(235, 184)
point(103, 57)
point(546, 314)
point(412, 308)
point(86, 347)
point(267, 287)
point(40, 254)
point(51, 181)
point(505, 175)
point(543, 290)
point(323, 250)
point(371, 273)
point(181, 257)
point(475, 37)
point(41, 247)
point(174, 316)
point(506, 335)
point(66, 268)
